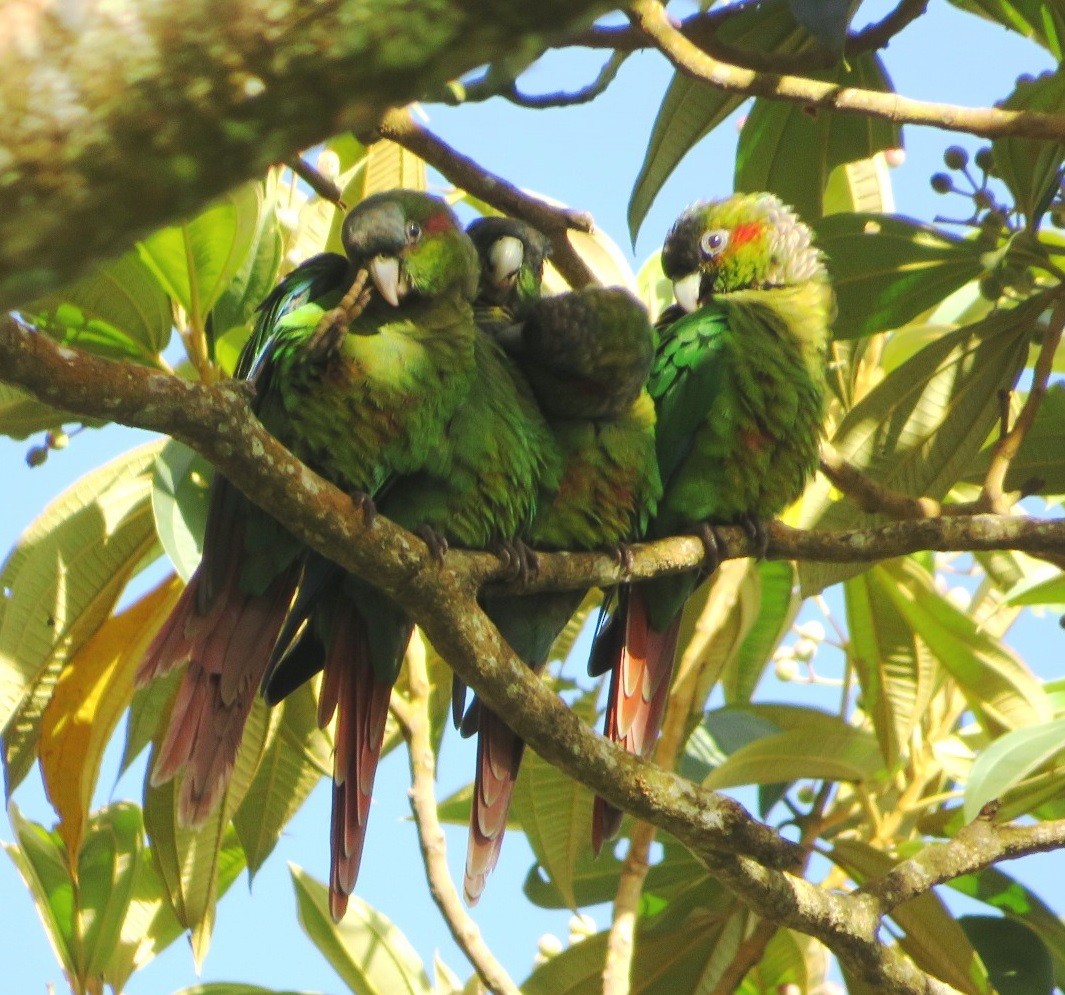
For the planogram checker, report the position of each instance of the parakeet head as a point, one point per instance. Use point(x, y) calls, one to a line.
point(512, 255)
point(412, 244)
point(746, 241)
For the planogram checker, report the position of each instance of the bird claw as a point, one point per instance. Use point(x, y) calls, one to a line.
point(624, 557)
point(520, 562)
point(365, 504)
point(758, 533)
point(438, 545)
point(333, 325)
point(713, 547)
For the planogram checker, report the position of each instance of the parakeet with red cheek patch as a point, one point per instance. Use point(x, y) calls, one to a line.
point(738, 386)
point(361, 400)
point(587, 355)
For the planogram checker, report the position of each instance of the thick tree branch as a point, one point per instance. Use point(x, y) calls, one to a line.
point(116, 118)
point(651, 18)
point(554, 222)
point(415, 724)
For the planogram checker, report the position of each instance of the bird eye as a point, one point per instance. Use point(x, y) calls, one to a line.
point(713, 243)
point(414, 231)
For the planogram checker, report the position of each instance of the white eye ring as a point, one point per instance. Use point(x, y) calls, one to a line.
point(712, 243)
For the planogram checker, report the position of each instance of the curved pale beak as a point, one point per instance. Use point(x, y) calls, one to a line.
point(384, 271)
point(504, 260)
point(686, 290)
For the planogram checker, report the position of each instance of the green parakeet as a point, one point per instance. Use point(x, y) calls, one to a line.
point(476, 488)
point(360, 402)
point(738, 385)
point(587, 355)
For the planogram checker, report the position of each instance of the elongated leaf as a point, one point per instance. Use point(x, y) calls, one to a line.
point(888, 270)
point(721, 733)
point(932, 936)
point(295, 760)
point(1016, 901)
point(895, 670)
point(366, 949)
point(863, 186)
point(1028, 167)
point(918, 429)
point(1041, 458)
point(785, 149)
point(1001, 691)
point(1009, 760)
point(692, 109)
point(22, 415)
point(60, 582)
point(1039, 20)
point(41, 861)
point(180, 483)
point(791, 962)
point(89, 698)
point(119, 310)
point(847, 755)
point(196, 261)
point(1017, 962)
point(1050, 591)
point(826, 20)
point(555, 813)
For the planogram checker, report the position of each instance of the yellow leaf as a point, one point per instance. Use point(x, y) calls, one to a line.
point(91, 694)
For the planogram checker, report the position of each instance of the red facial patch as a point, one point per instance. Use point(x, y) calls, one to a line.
point(437, 223)
point(742, 234)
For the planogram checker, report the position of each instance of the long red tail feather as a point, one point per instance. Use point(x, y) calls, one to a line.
point(639, 688)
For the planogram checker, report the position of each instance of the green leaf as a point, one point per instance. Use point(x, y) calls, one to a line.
point(779, 604)
point(1009, 760)
point(826, 20)
point(721, 733)
point(1036, 19)
point(1041, 458)
point(1031, 168)
point(1016, 901)
point(295, 760)
point(691, 109)
point(655, 288)
point(196, 261)
point(234, 988)
point(41, 860)
point(791, 962)
point(862, 186)
point(791, 152)
point(888, 270)
point(180, 494)
point(1017, 961)
point(999, 688)
point(895, 670)
point(366, 949)
point(61, 581)
point(847, 754)
point(555, 813)
point(22, 415)
point(932, 935)
point(1048, 591)
point(918, 429)
point(119, 311)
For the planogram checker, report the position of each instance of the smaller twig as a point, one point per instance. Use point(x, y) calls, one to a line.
point(554, 222)
point(318, 182)
point(978, 845)
point(416, 727)
point(871, 496)
point(563, 98)
point(1009, 443)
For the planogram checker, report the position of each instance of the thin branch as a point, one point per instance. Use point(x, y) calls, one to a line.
point(416, 726)
point(563, 98)
point(650, 16)
point(317, 181)
point(1009, 444)
point(554, 222)
point(870, 495)
point(977, 845)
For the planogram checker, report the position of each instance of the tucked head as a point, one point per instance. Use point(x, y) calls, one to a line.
point(512, 255)
point(412, 244)
point(746, 241)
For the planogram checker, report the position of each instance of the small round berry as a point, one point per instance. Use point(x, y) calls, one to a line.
point(985, 159)
point(956, 157)
point(942, 183)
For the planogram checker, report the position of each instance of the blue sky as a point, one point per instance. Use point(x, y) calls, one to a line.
point(586, 157)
